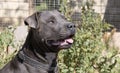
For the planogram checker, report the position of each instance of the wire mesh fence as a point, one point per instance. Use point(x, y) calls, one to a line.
point(13, 12)
point(42, 5)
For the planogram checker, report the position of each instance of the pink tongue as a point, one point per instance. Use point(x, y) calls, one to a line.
point(67, 41)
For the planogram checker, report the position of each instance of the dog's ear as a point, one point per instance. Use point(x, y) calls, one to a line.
point(32, 21)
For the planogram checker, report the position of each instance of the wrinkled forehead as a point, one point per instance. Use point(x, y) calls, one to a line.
point(45, 15)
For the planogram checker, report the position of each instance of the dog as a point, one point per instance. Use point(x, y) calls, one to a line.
point(49, 32)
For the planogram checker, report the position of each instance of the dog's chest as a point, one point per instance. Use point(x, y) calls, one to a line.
point(51, 58)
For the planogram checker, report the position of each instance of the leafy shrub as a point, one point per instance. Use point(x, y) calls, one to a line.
point(6, 38)
point(89, 53)
point(42, 6)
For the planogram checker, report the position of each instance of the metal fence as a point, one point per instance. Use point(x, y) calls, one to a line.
point(13, 12)
point(48, 4)
point(109, 9)
point(41, 5)
point(112, 13)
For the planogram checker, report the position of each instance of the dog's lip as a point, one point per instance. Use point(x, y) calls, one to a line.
point(61, 42)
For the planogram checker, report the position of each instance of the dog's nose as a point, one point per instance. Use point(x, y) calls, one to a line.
point(71, 26)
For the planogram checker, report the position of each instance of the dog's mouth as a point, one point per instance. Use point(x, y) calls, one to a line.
point(62, 43)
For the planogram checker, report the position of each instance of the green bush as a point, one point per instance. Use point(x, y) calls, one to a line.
point(6, 38)
point(89, 53)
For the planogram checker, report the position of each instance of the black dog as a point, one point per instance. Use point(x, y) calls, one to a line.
point(49, 33)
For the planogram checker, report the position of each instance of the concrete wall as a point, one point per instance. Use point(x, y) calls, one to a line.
point(100, 6)
point(12, 12)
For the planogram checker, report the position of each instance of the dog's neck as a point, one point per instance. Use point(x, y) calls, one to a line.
point(47, 63)
point(38, 51)
point(47, 57)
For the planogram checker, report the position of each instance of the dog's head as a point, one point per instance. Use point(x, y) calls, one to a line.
point(52, 28)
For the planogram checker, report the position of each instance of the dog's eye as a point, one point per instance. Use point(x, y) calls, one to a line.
point(51, 21)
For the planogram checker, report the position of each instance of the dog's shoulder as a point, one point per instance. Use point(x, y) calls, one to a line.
point(13, 66)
